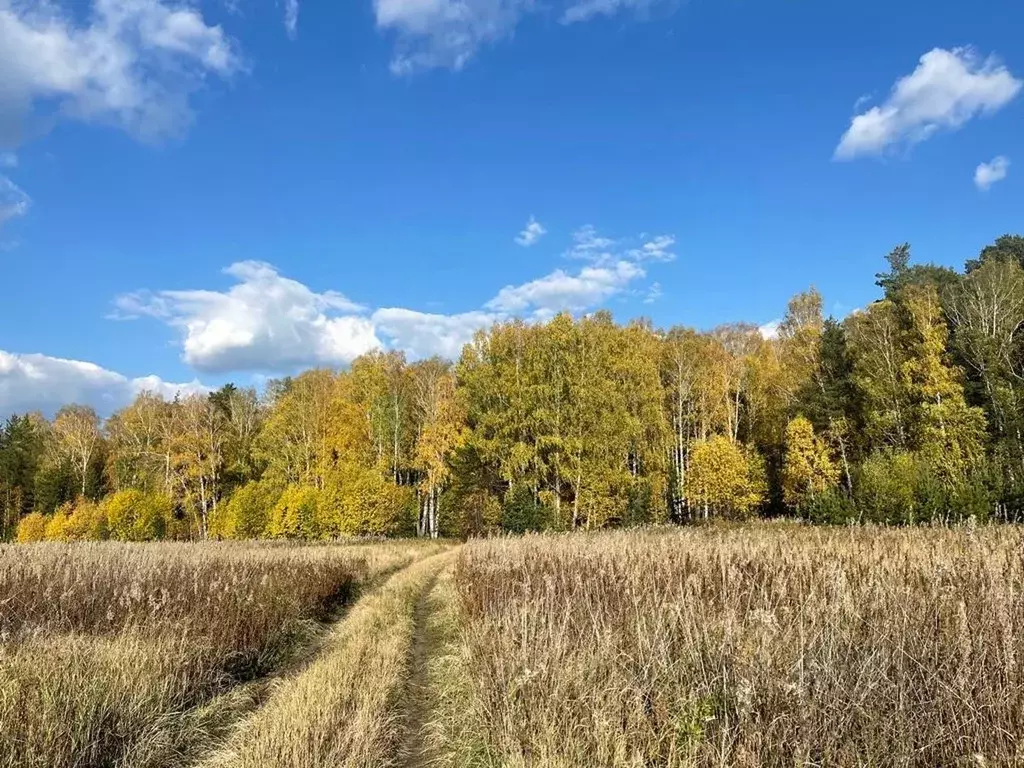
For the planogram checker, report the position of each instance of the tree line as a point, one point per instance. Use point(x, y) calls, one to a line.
point(907, 410)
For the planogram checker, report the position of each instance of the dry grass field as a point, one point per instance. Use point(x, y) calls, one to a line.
point(764, 645)
point(137, 655)
point(760, 645)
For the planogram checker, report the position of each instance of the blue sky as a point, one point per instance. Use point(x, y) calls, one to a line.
point(369, 170)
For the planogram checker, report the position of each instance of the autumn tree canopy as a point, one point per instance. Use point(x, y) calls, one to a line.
point(911, 408)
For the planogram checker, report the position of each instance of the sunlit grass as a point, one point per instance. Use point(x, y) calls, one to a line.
point(760, 645)
point(132, 655)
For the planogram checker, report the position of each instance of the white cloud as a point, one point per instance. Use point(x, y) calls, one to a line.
point(657, 248)
point(448, 33)
point(560, 290)
point(862, 101)
point(38, 382)
point(267, 322)
point(532, 232)
point(423, 334)
point(588, 9)
point(987, 174)
point(291, 18)
point(8, 160)
point(444, 33)
point(654, 293)
point(263, 322)
point(132, 63)
point(770, 330)
point(13, 200)
point(947, 89)
point(588, 245)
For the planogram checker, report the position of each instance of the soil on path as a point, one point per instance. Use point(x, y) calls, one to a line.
point(416, 751)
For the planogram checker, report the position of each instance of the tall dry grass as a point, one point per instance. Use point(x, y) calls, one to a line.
point(348, 708)
point(132, 655)
point(764, 645)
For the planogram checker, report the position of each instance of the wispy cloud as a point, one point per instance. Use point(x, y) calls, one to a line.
point(14, 201)
point(654, 293)
point(584, 10)
point(946, 90)
point(291, 18)
point(658, 248)
point(449, 33)
point(987, 174)
point(532, 232)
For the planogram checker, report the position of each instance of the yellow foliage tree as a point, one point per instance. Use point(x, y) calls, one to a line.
point(82, 520)
point(296, 514)
point(725, 479)
point(441, 432)
point(32, 527)
point(136, 516)
point(56, 525)
point(949, 433)
point(807, 470)
point(360, 501)
point(247, 513)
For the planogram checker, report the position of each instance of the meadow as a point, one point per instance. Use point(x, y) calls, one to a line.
point(740, 645)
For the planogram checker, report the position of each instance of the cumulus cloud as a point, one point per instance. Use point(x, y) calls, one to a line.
point(560, 290)
point(448, 33)
point(424, 334)
point(13, 200)
point(532, 232)
point(268, 322)
point(38, 382)
point(770, 330)
point(263, 322)
point(948, 88)
point(131, 63)
point(987, 174)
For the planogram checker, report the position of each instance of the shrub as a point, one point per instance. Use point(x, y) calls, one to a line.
point(466, 513)
point(86, 521)
point(56, 524)
point(136, 516)
point(247, 513)
point(522, 512)
point(32, 528)
point(833, 507)
point(295, 514)
point(885, 487)
point(360, 501)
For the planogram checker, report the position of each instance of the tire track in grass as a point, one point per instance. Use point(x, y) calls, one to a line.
point(416, 751)
point(348, 707)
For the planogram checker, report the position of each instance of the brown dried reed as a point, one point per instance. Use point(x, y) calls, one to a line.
point(759, 645)
point(131, 655)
